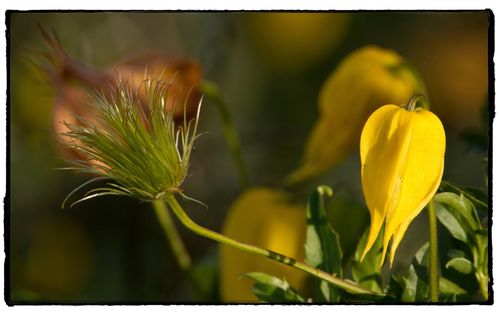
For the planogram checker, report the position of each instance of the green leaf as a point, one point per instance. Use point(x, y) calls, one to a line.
point(395, 287)
point(415, 288)
point(204, 274)
point(367, 272)
point(458, 203)
point(269, 288)
point(476, 196)
point(462, 265)
point(449, 298)
point(322, 246)
point(447, 287)
point(342, 207)
point(455, 253)
point(451, 223)
point(421, 256)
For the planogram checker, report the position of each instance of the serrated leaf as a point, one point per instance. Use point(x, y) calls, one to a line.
point(322, 246)
point(269, 288)
point(367, 272)
point(447, 287)
point(461, 265)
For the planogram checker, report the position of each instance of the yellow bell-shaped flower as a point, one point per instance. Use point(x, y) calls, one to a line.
point(365, 80)
point(265, 218)
point(402, 160)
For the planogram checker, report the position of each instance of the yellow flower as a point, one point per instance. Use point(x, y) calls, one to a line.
point(262, 217)
point(365, 80)
point(402, 160)
point(292, 41)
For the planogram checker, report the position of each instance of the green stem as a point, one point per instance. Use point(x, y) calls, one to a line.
point(483, 284)
point(177, 246)
point(433, 254)
point(173, 237)
point(190, 224)
point(480, 256)
point(211, 91)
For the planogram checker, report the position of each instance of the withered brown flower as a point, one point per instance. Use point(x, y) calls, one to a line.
point(74, 82)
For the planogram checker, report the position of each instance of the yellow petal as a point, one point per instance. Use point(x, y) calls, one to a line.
point(363, 81)
point(402, 157)
point(421, 172)
point(262, 217)
point(379, 164)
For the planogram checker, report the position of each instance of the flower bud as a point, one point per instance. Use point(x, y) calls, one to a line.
point(402, 161)
point(262, 217)
point(365, 80)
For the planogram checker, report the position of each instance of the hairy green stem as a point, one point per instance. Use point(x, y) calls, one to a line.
point(190, 224)
point(433, 254)
point(173, 237)
point(211, 91)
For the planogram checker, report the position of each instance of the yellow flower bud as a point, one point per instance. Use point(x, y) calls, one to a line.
point(365, 80)
point(262, 217)
point(402, 160)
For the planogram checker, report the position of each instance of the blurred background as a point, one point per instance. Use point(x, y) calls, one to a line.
point(269, 68)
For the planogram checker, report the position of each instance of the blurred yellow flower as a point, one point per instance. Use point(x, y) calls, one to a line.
point(402, 160)
point(262, 217)
point(365, 80)
point(293, 42)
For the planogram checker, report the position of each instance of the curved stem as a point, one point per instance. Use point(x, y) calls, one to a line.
point(416, 99)
point(211, 91)
point(433, 254)
point(177, 246)
point(190, 224)
point(173, 237)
